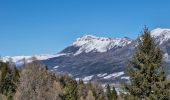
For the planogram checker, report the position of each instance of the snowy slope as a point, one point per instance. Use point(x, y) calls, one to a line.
point(161, 35)
point(109, 63)
point(19, 59)
point(90, 43)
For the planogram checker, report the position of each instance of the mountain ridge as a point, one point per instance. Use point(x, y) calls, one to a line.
point(101, 59)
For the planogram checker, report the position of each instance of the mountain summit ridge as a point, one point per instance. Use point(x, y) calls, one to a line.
point(90, 43)
point(161, 35)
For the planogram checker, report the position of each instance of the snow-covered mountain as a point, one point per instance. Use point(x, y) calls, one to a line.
point(161, 35)
point(93, 44)
point(104, 59)
point(98, 58)
point(90, 43)
point(162, 38)
point(86, 44)
point(18, 60)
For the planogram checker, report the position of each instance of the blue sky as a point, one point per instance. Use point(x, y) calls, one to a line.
point(29, 27)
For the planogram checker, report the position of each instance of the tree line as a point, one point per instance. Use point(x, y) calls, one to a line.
point(33, 81)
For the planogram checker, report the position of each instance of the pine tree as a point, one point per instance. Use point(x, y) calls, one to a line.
point(8, 86)
point(9, 79)
point(146, 71)
point(70, 88)
point(111, 93)
point(97, 90)
point(4, 71)
point(114, 94)
point(82, 90)
point(108, 92)
point(15, 74)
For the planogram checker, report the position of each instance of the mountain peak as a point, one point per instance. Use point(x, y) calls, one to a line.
point(161, 34)
point(88, 36)
point(90, 43)
point(91, 37)
point(160, 31)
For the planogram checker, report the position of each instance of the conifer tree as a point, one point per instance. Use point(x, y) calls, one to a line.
point(111, 93)
point(97, 90)
point(4, 70)
point(8, 87)
point(146, 71)
point(15, 74)
point(108, 92)
point(70, 88)
point(114, 94)
point(9, 79)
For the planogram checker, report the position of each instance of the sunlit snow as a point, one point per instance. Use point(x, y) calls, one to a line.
point(19, 59)
point(114, 75)
point(161, 35)
point(89, 43)
point(87, 78)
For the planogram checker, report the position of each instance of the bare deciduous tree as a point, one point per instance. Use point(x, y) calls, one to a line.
point(90, 96)
point(36, 84)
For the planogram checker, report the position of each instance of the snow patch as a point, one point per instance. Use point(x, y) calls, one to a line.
point(102, 75)
point(55, 67)
point(87, 78)
point(114, 75)
point(125, 77)
point(77, 79)
point(48, 56)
